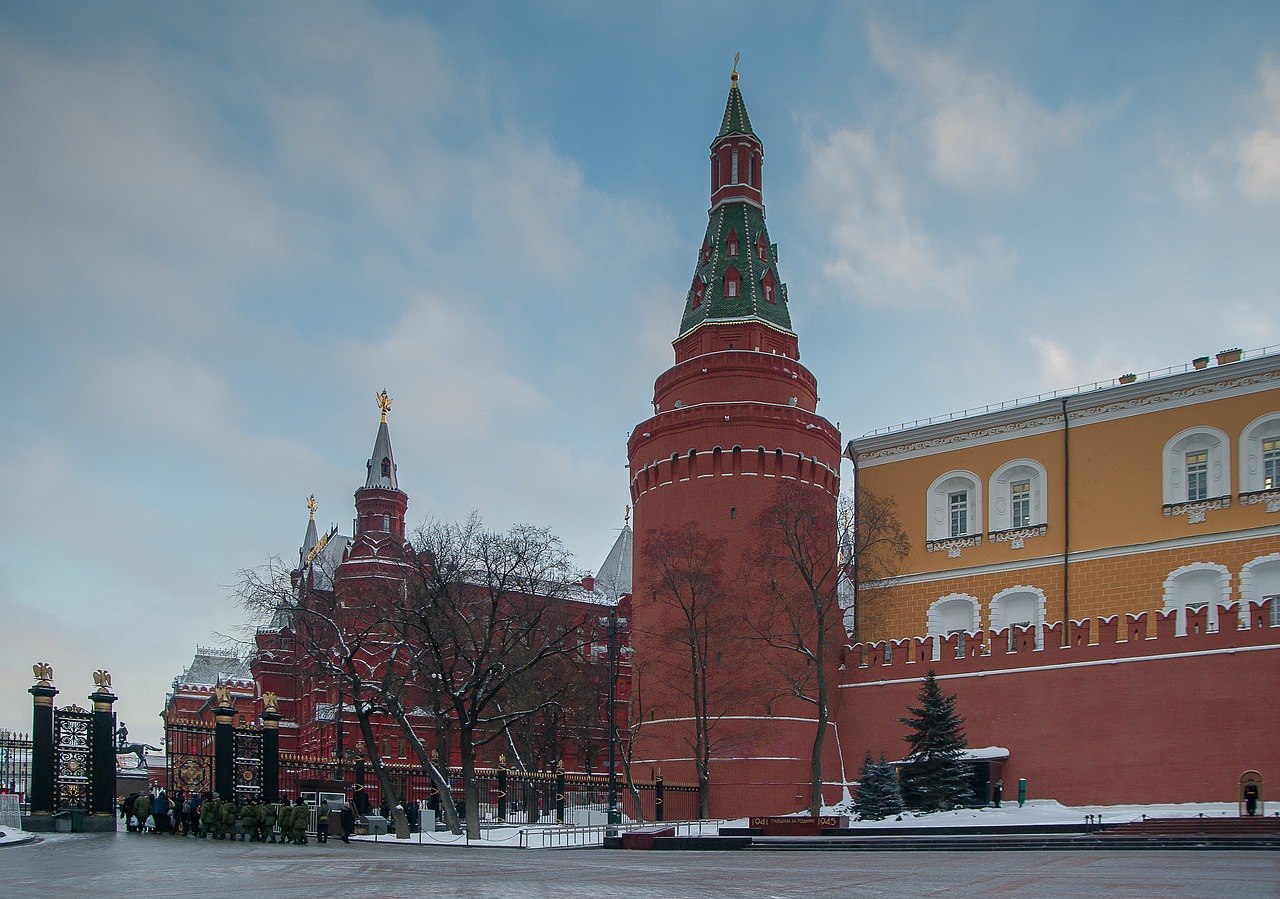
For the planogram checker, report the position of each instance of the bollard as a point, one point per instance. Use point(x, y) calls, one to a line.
point(1022, 791)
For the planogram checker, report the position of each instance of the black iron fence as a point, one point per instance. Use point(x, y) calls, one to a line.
point(505, 796)
point(15, 765)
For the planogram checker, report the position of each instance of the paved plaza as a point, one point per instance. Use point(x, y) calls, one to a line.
point(113, 865)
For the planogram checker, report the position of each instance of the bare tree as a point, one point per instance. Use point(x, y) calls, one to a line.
point(348, 643)
point(877, 547)
point(799, 612)
point(695, 627)
point(485, 614)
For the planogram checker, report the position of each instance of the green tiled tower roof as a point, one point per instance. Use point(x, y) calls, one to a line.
point(761, 295)
point(735, 113)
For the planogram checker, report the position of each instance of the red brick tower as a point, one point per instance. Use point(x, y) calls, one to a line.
point(378, 548)
point(734, 419)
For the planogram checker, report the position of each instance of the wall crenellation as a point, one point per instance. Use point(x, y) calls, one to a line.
point(1032, 646)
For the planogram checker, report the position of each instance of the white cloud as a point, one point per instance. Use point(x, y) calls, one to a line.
point(877, 248)
point(981, 130)
point(1258, 150)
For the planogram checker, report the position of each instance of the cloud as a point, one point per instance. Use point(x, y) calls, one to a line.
point(1258, 150)
point(982, 131)
point(877, 248)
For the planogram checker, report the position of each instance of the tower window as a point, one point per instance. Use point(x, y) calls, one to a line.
point(386, 467)
point(732, 243)
point(698, 290)
point(762, 248)
point(386, 523)
point(732, 281)
point(733, 511)
point(733, 172)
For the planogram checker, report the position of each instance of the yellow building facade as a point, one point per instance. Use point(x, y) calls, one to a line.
point(1159, 494)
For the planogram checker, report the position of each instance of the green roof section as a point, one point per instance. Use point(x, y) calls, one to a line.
point(735, 113)
point(745, 222)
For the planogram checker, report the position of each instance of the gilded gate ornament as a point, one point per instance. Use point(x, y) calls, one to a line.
point(44, 673)
point(102, 680)
point(269, 701)
point(223, 695)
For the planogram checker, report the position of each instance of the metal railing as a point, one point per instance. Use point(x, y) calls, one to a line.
point(1032, 399)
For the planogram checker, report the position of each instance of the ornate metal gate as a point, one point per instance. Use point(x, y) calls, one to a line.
point(73, 759)
point(248, 763)
point(189, 746)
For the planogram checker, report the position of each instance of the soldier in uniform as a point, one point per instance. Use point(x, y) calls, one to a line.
point(301, 818)
point(270, 811)
point(227, 830)
point(248, 820)
point(286, 821)
point(209, 817)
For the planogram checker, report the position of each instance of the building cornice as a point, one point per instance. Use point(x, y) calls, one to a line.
point(1083, 409)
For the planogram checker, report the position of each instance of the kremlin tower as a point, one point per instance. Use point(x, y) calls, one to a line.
point(734, 419)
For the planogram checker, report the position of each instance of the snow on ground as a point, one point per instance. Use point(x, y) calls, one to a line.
point(1038, 811)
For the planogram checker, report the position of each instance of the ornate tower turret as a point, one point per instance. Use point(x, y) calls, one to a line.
point(380, 503)
point(379, 548)
point(734, 419)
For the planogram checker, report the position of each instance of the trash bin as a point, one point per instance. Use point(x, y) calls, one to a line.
point(77, 821)
point(376, 825)
point(62, 822)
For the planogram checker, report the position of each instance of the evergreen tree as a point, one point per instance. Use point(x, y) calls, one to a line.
point(877, 795)
point(935, 776)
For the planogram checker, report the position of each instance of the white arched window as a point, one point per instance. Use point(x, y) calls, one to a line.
point(955, 506)
point(956, 613)
point(1017, 496)
point(1019, 607)
point(1260, 580)
point(1196, 466)
point(1200, 585)
point(1260, 455)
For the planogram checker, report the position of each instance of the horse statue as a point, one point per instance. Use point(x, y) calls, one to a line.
point(124, 747)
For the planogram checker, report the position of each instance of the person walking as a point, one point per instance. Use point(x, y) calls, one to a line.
point(322, 822)
point(348, 821)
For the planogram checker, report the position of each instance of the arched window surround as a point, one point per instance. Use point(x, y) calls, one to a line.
point(1001, 505)
point(942, 511)
point(1253, 470)
point(1202, 438)
point(1260, 578)
point(955, 612)
point(1214, 582)
point(1003, 615)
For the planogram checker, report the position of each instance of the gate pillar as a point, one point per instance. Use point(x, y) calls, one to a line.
point(102, 749)
point(42, 750)
point(271, 751)
point(224, 749)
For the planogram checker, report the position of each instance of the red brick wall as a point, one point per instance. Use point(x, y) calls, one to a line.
point(1142, 720)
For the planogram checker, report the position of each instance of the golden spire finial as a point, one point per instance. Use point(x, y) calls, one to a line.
point(733, 76)
point(311, 506)
point(384, 403)
point(626, 517)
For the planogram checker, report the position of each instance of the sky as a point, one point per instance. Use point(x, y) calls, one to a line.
point(225, 226)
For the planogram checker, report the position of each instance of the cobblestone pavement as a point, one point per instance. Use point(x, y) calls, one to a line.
point(137, 866)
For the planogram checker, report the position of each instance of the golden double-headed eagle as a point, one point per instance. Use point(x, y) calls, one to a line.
point(102, 680)
point(223, 695)
point(269, 701)
point(384, 403)
point(43, 672)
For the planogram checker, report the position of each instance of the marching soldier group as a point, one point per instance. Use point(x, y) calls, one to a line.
point(260, 822)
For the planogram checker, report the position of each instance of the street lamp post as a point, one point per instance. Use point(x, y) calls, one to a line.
point(615, 818)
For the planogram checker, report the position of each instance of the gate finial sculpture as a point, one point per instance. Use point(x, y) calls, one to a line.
point(44, 673)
